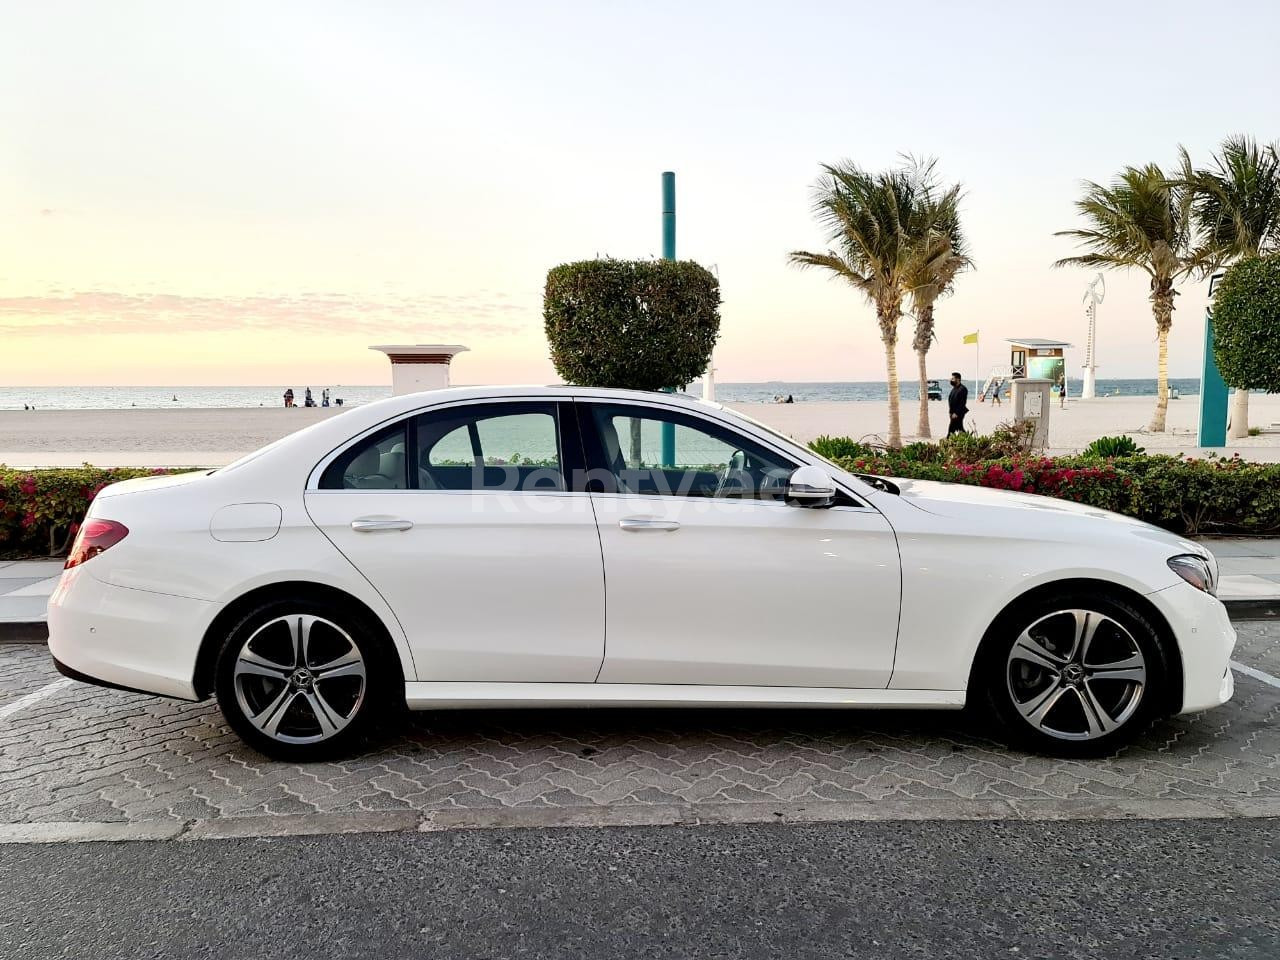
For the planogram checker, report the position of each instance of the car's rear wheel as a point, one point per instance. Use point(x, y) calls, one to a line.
point(1075, 674)
point(302, 680)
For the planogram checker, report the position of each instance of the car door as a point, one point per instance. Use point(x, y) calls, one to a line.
point(711, 577)
point(460, 517)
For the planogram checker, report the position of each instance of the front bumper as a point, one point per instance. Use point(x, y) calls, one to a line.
point(122, 637)
point(1205, 640)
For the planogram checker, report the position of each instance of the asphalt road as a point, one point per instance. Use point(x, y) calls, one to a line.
point(953, 890)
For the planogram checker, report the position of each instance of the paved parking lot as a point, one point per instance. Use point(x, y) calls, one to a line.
point(70, 752)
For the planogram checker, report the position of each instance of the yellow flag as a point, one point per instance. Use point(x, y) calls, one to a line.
point(971, 337)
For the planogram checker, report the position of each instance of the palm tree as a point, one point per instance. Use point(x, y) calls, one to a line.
point(941, 253)
point(870, 219)
point(1143, 221)
point(1235, 205)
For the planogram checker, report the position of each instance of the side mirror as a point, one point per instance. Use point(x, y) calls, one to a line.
point(811, 486)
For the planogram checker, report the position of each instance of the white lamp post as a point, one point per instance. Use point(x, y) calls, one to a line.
point(1092, 296)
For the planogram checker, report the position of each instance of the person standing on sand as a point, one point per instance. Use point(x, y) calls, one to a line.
point(288, 397)
point(995, 392)
point(1062, 390)
point(958, 404)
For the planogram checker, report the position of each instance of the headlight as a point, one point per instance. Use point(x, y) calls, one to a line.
point(1197, 571)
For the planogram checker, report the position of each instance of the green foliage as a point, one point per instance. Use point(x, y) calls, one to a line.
point(1140, 220)
point(922, 452)
point(1006, 440)
point(1236, 200)
point(643, 324)
point(1188, 496)
point(1246, 324)
point(41, 510)
point(834, 448)
point(1105, 447)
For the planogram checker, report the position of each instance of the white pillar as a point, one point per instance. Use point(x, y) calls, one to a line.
point(1239, 415)
point(1087, 393)
point(419, 366)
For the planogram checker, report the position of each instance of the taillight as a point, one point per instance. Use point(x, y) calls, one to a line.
point(94, 537)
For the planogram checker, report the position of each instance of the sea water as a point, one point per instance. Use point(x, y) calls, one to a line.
point(112, 398)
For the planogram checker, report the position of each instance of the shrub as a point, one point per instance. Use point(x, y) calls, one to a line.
point(921, 452)
point(835, 448)
point(1105, 447)
point(1246, 324)
point(645, 324)
point(1186, 495)
point(1006, 440)
point(41, 510)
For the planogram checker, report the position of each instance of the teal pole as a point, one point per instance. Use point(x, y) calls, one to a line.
point(1213, 389)
point(668, 216)
point(669, 253)
point(1213, 394)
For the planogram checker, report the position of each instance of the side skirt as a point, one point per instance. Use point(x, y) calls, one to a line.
point(440, 695)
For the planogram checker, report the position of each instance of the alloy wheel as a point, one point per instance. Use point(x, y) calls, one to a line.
point(300, 679)
point(1076, 674)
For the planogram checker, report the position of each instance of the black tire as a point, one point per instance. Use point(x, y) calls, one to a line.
point(350, 704)
point(1102, 706)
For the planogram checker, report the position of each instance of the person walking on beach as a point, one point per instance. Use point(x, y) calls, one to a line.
point(958, 404)
point(1062, 390)
point(288, 397)
point(995, 391)
point(324, 397)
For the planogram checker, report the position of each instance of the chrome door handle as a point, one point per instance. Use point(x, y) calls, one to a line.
point(373, 526)
point(639, 524)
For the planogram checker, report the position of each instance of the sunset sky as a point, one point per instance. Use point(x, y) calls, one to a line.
point(253, 193)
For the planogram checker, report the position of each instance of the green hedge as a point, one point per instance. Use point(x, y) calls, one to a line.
point(41, 510)
point(643, 324)
point(1186, 495)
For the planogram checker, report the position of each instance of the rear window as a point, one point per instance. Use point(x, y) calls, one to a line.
point(380, 462)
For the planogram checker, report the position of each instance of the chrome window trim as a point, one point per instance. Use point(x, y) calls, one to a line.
point(313, 478)
point(677, 403)
point(861, 503)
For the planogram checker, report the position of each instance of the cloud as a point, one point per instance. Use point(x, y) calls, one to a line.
point(98, 312)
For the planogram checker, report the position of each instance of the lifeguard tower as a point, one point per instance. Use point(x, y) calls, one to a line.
point(1030, 358)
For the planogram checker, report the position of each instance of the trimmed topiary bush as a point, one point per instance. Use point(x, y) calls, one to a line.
point(643, 324)
point(1246, 324)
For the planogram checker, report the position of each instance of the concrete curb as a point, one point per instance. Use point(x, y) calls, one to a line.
point(37, 631)
point(670, 815)
point(1268, 609)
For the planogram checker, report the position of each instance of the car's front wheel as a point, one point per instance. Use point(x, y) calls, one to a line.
point(1076, 675)
point(301, 681)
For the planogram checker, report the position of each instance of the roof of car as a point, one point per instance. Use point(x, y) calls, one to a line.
point(557, 390)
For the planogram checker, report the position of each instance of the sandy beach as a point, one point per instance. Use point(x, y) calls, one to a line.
point(217, 436)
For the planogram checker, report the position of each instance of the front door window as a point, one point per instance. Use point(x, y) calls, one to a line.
point(653, 452)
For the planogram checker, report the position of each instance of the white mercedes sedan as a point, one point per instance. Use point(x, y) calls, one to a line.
point(476, 547)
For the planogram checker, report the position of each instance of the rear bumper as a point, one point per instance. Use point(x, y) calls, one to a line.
point(130, 639)
point(1205, 640)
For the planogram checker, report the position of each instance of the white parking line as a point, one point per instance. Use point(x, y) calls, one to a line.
point(1256, 674)
point(47, 690)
